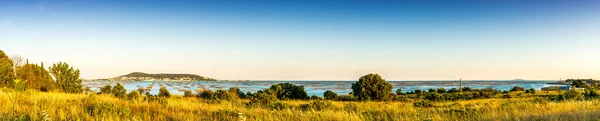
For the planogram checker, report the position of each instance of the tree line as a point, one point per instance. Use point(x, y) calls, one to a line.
point(60, 77)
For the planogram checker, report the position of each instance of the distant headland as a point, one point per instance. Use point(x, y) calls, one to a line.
point(140, 76)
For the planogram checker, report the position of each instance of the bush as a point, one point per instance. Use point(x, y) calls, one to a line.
point(279, 106)
point(399, 92)
point(441, 90)
point(573, 95)
point(163, 92)
point(187, 93)
point(315, 97)
point(7, 74)
point(434, 97)
point(316, 106)
point(237, 92)
point(517, 88)
point(431, 90)
point(134, 95)
point(67, 78)
point(119, 91)
point(207, 94)
point(372, 87)
point(106, 89)
point(261, 98)
point(223, 95)
point(345, 98)
point(329, 95)
point(453, 90)
point(285, 91)
point(418, 91)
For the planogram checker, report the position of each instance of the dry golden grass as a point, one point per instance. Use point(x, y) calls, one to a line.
point(60, 106)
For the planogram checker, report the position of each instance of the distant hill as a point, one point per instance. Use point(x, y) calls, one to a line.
point(142, 76)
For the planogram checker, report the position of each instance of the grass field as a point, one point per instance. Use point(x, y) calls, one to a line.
point(34, 105)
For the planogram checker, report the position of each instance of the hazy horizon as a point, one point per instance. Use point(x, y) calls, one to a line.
point(316, 40)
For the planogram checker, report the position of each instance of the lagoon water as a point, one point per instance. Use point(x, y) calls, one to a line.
point(319, 87)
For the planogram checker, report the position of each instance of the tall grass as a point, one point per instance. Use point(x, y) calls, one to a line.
point(34, 105)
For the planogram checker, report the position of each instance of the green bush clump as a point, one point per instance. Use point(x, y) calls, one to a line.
point(187, 93)
point(106, 89)
point(517, 88)
point(163, 92)
point(425, 104)
point(441, 90)
point(372, 87)
point(329, 95)
point(262, 98)
point(134, 95)
point(119, 91)
point(285, 91)
point(279, 106)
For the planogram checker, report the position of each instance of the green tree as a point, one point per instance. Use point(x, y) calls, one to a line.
point(285, 91)
point(372, 87)
point(119, 91)
point(36, 77)
point(106, 89)
point(187, 93)
point(163, 92)
point(399, 92)
point(441, 90)
point(7, 74)
point(67, 78)
point(517, 88)
point(329, 95)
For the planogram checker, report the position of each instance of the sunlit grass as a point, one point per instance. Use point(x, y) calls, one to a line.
point(60, 106)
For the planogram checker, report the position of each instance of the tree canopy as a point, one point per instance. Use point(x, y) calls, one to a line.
point(35, 77)
point(67, 78)
point(372, 87)
point(7, 74)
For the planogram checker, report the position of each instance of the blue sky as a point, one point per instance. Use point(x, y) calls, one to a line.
point(304, 40)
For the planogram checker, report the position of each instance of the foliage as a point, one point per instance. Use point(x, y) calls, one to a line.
point(329, 95)
point(453, 90)
point(425, 104)
point(7, 74)
point(372, 87)
point(517, 88)
point(262, 98)
point(236, 92)
point(106, 89)
point(285, 91)
point(532, 91)
point(187, 93)
point(434, 96)
point(119, 91)
point(580, 83)
point(399, 92)
point(163, 92)
point(67, 78)
point(36, 77)
point(134, 95)
point(441, 90)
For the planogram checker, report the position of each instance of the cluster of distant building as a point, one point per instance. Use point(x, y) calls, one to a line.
point(150, 79)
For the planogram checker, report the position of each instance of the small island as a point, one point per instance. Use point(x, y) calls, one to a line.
point(140, 76)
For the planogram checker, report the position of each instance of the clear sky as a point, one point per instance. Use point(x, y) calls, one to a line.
point(305, 40)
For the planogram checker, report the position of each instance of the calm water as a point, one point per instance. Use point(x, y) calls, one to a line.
point(318, 87)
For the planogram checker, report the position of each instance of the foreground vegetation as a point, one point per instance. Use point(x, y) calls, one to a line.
point(35, 105)
point(30, 92)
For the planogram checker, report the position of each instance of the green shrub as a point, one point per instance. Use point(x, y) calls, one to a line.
point(106, 89)
point(187, 93)
point(453, 90)
point(7, 74)
point(67, 78)
point(425, 104)
point(163, 92)
point(372, 87)
point(279, 106)
point(431, 90)
point(315, 97)
point(207, 94)
point(434, 96)
point(399, 92)
point(223, 95)
point(345, 98)
point(329, 95)
point(262, 98)
point(285, 91)
point(119, 91)
point(134, 95)
point(573, 95)
point(237, 92)
point(517, 88)
point(441, 90)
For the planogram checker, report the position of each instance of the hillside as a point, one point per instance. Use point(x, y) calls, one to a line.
point(146, 76)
